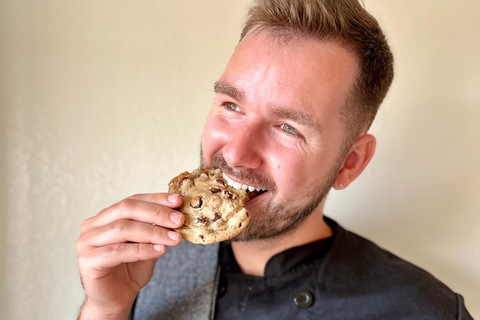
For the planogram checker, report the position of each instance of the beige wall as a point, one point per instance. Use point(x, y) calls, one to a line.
point(103, 99)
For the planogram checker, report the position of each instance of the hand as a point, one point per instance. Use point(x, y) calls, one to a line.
point(117, 250)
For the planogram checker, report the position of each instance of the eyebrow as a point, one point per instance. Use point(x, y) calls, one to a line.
point(297, 116)
point(225, 88)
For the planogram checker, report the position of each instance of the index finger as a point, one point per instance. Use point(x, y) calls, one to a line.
point(171, 200)
point(154, 208)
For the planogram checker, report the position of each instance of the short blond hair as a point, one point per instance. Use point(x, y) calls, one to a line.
point(349, 24)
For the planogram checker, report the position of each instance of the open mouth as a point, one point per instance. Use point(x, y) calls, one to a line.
point(252, 191)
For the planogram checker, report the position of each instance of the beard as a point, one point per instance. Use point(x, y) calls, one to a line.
point(277, 218)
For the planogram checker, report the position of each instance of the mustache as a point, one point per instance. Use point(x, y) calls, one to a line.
point(246, 176)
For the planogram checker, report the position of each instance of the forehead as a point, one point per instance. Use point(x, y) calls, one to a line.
point(311, 75)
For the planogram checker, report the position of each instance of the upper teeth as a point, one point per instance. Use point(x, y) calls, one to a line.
point(238, 185)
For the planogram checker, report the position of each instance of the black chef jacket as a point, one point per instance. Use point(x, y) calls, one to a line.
point(287, 287)
point(319, 281)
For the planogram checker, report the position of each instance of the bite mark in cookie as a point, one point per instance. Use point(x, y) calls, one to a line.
point(213, 210)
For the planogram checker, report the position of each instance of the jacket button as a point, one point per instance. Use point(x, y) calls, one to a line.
point(303, 298)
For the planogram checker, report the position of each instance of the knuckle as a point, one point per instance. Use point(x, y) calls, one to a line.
point(82, 262)
point(119, 226)
point(86, 261)
point(85, 225)
point(138, 249)
point(125, 204)
point(159, 210)
point(155, 231)
point(79, 245)
point(116, 249)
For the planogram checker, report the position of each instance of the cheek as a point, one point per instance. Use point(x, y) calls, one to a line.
point(214, 136)
point(288, 169)
point(296, 172)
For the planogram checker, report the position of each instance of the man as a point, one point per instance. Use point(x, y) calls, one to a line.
point(290, 116)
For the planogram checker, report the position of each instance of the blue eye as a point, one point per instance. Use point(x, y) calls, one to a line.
point(289, 129)
point(233, 106)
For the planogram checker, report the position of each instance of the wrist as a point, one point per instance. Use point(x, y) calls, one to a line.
point(91, 312)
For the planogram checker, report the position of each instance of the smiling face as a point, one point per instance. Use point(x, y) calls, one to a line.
point(275, 124)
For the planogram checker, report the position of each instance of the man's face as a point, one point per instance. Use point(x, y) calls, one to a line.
point(275, 125)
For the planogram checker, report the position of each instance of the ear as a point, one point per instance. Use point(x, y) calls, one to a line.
point(356, 161)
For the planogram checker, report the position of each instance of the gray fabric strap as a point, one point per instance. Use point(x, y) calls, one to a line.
point(183, 286)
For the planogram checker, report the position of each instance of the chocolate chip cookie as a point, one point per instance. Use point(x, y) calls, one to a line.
point(213, 210)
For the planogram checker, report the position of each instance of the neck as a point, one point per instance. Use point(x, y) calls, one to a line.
point(252, 256)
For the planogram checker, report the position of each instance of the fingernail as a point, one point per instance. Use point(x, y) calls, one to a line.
point(172, 198)
point(159, 247)
point(173, 235)
point(175, 216)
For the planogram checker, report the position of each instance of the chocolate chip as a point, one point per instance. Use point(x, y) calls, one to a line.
point(217, 217)
point(220, 181)
point(229, 195)
point(215, 190)
point(201, 220)
point(240, 225)
point(196, 202)
point(202, 236)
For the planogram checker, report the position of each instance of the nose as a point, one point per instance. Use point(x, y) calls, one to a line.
point(244, 148)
